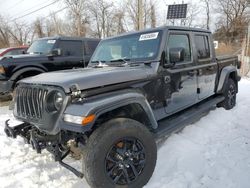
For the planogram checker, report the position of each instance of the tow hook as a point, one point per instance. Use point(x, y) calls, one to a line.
point(34, 143)
point(8, 130)
point(14, 131)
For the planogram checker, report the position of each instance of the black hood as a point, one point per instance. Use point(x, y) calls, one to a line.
point(23, 57)
point(93, 77)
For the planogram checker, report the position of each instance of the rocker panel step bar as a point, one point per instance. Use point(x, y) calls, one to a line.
point(178, 121)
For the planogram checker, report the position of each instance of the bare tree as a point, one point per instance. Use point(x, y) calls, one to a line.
point(38, 28)
point(207, 8)
point(20, 33)
point(233, 20)
point(4, 34)
point(102, 12)
point(152, 14)
point(119, 19)
point(117, 24)
point(79, 18)
point(193, 11)
point(57, 26)
point(139, 11)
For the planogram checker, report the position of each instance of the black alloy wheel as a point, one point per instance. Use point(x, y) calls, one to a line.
point(125, 161)
point(120, 153)
point(231, 95)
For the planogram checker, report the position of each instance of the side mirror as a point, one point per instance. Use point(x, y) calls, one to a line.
point(176, 55)
point(56, 52)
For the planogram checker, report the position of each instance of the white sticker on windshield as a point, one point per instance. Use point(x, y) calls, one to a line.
point(149, 36)
point(51, 41)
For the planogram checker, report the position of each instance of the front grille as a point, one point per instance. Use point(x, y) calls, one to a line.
point(30, 101)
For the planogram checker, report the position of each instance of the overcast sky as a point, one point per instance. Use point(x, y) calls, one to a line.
point(14, 9)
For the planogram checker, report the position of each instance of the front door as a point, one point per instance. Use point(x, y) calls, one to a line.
point(181, 79)
point(72, 55)
point(206, 64)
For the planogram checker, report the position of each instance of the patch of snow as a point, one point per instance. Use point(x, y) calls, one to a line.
point(213, 152)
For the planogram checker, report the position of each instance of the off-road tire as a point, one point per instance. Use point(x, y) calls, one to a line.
point(99, 146)
point(230, 95)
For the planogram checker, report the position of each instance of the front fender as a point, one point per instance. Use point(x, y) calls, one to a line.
point(23, 70)
point(101, 104)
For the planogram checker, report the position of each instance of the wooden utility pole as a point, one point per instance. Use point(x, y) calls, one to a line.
point(248, 40)
point(140, 14)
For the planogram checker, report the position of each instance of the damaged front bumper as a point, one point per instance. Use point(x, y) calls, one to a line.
point(40, 141)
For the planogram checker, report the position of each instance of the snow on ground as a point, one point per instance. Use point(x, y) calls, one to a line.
point(212, 153)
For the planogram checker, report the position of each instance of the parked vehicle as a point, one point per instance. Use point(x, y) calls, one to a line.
point(13, 51)
point(45, 55)
point(139, 87)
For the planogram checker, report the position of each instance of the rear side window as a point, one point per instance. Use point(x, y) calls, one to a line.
point(71, 48)
point(180, 41)
point(90, 47)
point(202, 46)
point(15, 52)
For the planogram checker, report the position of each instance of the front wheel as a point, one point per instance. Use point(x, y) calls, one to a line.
point(120, 153)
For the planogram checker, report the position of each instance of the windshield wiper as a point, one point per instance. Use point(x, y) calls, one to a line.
point(99, 63)
point(35, 53)
point(123, 60)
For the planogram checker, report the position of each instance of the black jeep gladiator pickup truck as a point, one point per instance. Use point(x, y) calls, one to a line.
point(44, 55)
point(139, 87)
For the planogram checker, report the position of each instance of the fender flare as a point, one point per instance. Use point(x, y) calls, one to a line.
point(224, 76)
point(103, 104)
point(23, 70)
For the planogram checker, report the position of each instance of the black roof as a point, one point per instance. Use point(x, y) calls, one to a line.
point(178, 28)
point(187, 29)
point(69, 38)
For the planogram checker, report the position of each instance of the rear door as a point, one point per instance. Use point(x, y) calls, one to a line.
point(180, 80)
point(206, 63)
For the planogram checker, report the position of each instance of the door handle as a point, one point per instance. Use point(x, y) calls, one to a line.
point(192, 73)
point(210, 68)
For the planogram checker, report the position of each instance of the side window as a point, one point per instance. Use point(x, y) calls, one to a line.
point(180, 40)
point(18, 52)
point(71, 48)
point(90, 47)
point(12, 52)
point(8, 53)
point(202, 46)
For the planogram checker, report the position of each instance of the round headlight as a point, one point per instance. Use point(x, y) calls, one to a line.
point(58, 100)
point(54, 101)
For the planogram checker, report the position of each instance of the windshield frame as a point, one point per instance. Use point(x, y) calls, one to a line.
point(42, 40)
point(139, 60)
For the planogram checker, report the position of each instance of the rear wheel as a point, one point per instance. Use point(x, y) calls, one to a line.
point(230, 95)
point(121, 153)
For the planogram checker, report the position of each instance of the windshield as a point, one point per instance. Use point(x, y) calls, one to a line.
point(135, 47)
point(41, 47)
